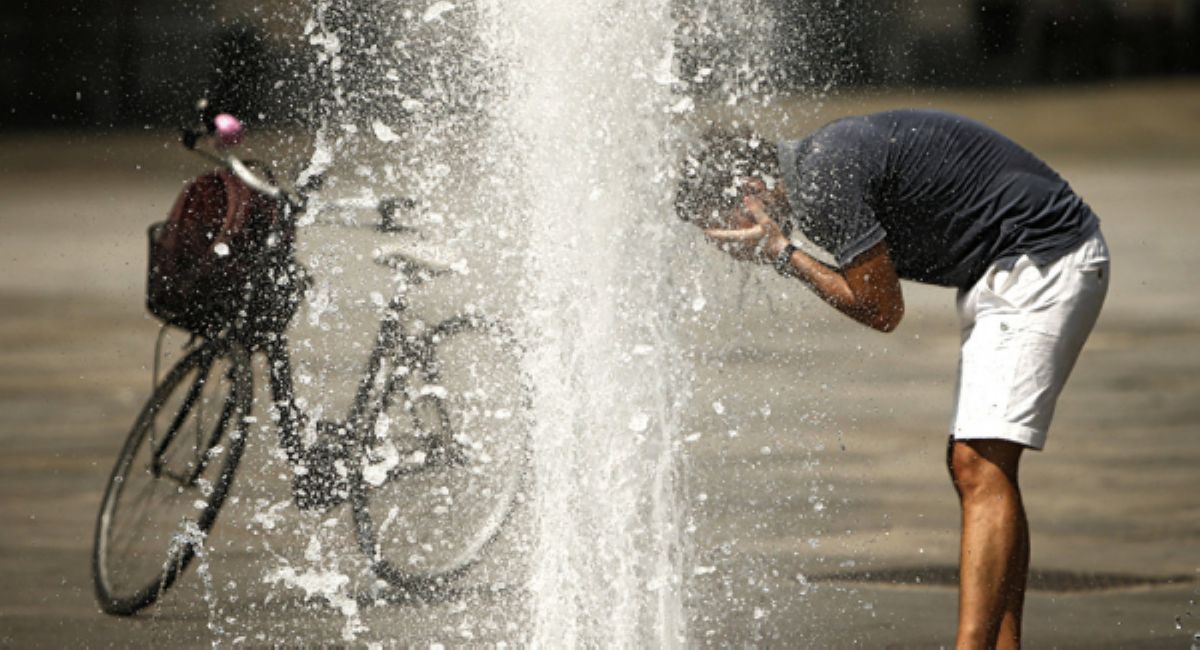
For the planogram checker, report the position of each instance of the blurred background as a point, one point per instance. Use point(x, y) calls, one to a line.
point(843, 533)
point(132, 62)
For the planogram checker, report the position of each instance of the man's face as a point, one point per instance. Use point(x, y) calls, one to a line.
point(725, 216)
point(731, 212)
point(773, 198)
point(725, 210)
point(756, 193)
point(740, 217)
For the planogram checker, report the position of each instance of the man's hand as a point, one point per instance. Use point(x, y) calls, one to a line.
point(867, 289)
point(756, 237)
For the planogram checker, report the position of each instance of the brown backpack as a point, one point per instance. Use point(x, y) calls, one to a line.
point(223, 261)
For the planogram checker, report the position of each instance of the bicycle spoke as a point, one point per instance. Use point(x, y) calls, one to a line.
point(135, 513)
point(186, 408)
point(204, 448)
point(461, 455)
point(166, 480)
point(199, 421)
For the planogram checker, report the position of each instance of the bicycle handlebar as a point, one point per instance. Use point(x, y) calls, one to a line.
point(226, 130)
point(256, 182)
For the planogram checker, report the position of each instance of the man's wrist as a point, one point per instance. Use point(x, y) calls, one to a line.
point(783, 261)
point(774, 247)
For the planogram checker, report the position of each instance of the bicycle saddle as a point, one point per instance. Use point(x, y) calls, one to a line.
point(416, 263)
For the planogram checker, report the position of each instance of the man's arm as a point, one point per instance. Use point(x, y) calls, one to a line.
point(867, 290)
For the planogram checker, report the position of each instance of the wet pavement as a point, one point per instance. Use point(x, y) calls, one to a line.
point(817, 472)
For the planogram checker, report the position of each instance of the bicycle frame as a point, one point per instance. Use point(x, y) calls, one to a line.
point(405, 367)
point(174, 429)
point(390, 344)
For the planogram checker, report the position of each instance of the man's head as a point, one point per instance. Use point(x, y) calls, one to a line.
point(719, 169)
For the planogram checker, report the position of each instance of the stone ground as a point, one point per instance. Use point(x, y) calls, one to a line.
point(826, 521)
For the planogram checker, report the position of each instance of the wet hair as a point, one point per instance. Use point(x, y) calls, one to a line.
point(714, 168)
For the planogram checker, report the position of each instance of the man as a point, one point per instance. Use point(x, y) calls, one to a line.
point(936, 198)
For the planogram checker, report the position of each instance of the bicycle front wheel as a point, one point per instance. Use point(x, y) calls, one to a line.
point(171, 477)
point(445, 461)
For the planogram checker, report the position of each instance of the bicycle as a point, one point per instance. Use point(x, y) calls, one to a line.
point(431, 456)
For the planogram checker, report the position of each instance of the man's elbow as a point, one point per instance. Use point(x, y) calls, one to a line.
point(882, 316)
point(887, 320)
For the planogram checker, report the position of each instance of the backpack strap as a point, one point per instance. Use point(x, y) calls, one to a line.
point(235, 226)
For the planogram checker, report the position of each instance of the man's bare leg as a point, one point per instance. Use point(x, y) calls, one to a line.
point(1010, 625)
point(994, 553)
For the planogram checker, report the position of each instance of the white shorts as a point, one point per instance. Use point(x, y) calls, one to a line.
point(1022, 329)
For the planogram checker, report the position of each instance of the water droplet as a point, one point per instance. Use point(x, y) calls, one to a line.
point(639, 422)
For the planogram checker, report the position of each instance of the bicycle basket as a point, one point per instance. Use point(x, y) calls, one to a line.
point(224, 261)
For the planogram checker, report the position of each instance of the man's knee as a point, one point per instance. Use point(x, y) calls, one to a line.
point(983, 466)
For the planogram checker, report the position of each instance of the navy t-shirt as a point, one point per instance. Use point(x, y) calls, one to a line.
point(950, 196)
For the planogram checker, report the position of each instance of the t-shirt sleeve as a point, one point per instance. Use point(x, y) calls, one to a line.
point(829, 180)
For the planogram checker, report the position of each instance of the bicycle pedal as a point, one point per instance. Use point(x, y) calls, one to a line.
point(454, 455)
point(331, 430)
point(451, 455)
point(323, 477)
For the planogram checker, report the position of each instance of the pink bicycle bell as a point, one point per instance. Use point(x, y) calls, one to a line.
point(229, 129)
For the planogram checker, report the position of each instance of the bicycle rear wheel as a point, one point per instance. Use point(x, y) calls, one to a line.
point(171, 476)
point(445, 462)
